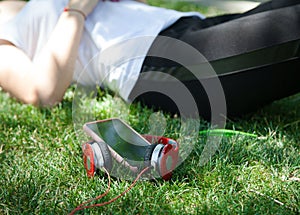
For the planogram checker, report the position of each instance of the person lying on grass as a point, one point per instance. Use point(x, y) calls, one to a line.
point(47, 45)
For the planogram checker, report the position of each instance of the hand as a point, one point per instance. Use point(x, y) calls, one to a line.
point(86, 6)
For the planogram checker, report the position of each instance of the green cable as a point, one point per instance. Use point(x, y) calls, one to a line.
point(226, 132)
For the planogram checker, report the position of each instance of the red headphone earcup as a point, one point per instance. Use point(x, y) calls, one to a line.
point(89, 159)
point(96, 155)
point(168, 161)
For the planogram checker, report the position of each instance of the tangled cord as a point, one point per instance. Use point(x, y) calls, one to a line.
point(84, 206)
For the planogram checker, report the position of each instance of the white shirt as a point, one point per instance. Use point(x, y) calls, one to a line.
point(114, 44)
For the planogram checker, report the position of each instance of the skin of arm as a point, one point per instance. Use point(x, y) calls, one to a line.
point(9, 8)
point(44, 82)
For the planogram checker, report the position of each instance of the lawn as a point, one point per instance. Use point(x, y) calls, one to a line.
point(42, 170)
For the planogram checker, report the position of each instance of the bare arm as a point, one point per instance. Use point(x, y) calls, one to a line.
point(45, 81)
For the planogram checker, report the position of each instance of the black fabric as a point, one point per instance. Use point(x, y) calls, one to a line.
point(255, 54)
point(233, 35)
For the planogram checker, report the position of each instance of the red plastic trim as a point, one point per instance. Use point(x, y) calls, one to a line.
point(171, 149)
point(88, 159)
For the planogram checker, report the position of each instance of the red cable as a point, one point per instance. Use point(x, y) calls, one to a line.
point(81, 206)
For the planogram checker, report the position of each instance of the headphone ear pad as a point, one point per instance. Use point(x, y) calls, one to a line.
point(148, 154)
point(108, 164)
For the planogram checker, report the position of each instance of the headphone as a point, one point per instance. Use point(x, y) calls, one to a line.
point(162, 154)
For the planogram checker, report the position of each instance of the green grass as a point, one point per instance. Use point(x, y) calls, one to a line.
point(185, 6)
point(42, 170)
